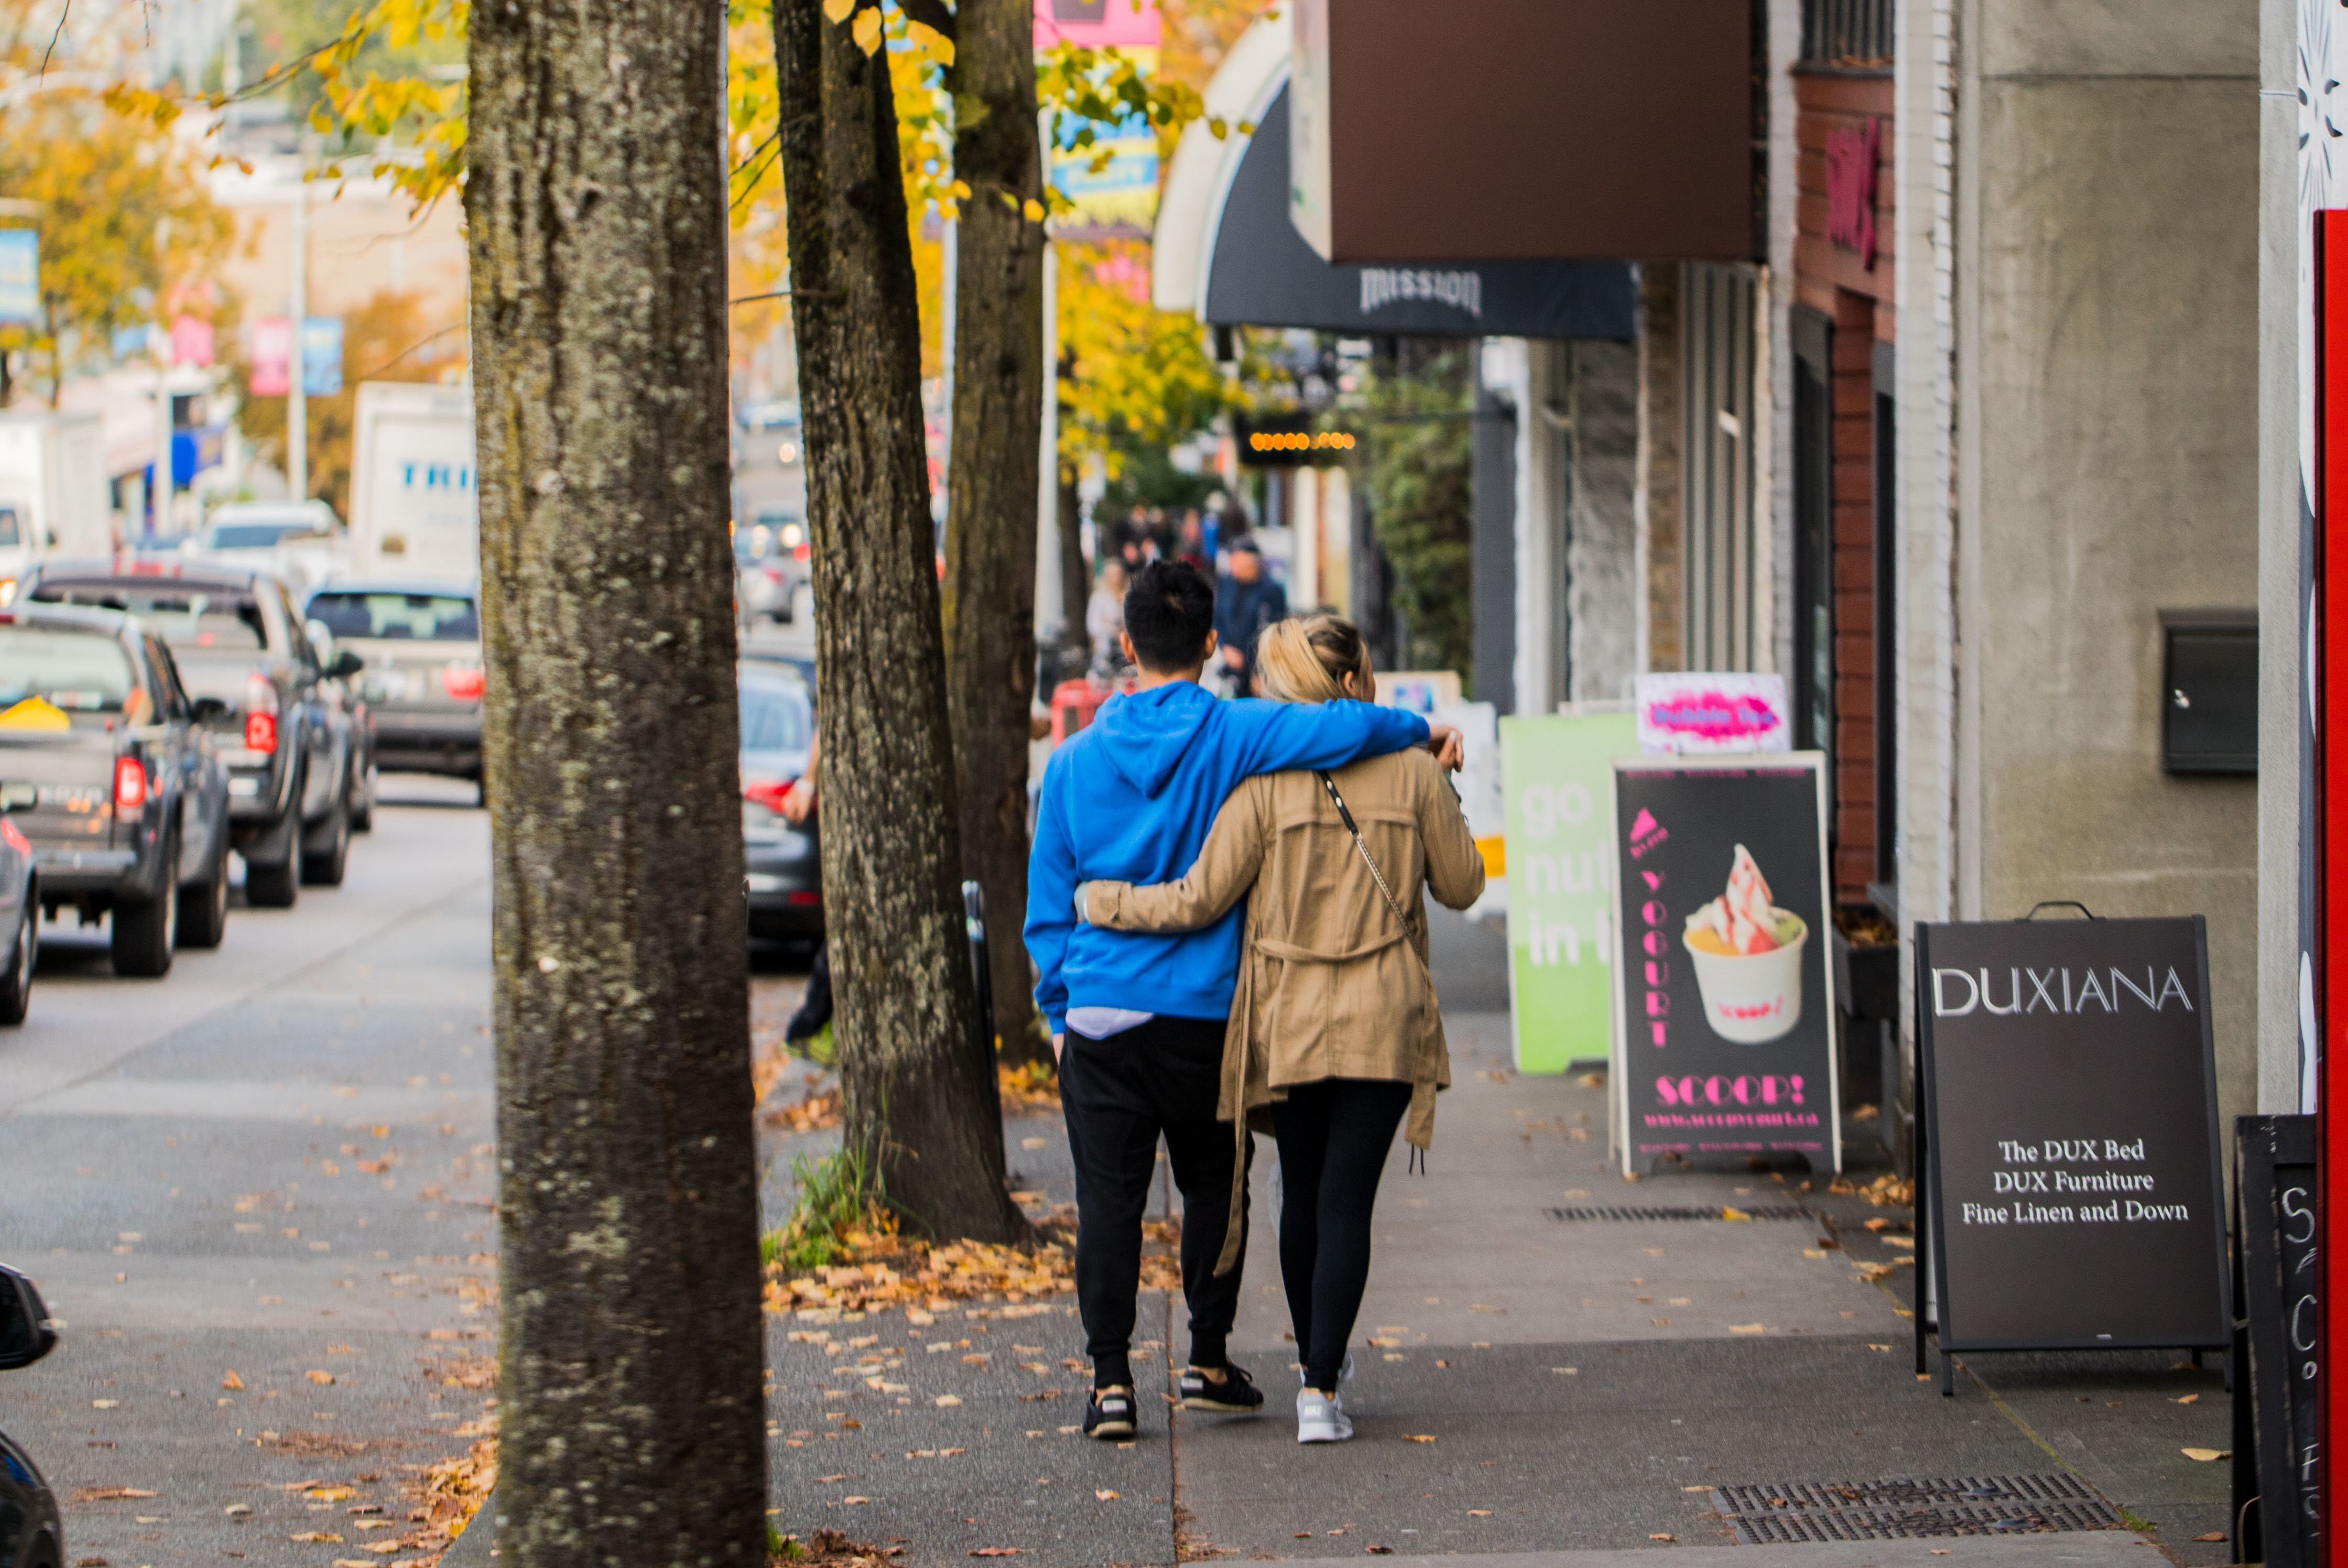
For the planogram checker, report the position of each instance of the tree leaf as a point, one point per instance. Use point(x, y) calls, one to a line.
point(866, 30)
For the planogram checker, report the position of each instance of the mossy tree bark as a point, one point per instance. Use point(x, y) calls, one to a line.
point(990, 580)
point(916, 1075)
point(630, 1346)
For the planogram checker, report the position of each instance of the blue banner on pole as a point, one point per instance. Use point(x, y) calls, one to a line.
point(321, 355)
point(20, 275)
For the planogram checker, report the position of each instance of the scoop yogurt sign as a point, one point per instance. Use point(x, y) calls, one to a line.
point(1725, 1034)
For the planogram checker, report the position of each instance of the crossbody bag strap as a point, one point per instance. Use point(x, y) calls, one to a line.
point(1347, 816)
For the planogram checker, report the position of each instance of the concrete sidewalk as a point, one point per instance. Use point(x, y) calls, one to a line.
point(1538, 1391)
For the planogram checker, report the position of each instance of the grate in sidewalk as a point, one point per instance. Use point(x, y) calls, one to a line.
point(1680, 1212)
point(1810, 1512)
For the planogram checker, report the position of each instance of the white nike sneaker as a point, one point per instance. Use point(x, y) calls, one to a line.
point(1321, 1418)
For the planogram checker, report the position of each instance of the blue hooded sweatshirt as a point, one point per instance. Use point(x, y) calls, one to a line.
point(1130, 798)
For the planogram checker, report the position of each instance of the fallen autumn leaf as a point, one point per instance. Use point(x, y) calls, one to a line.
point(2205, 1456)
point(231, 1381)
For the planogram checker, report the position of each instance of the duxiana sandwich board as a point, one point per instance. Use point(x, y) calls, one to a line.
point(1725, 1019)
point(2070, 1123)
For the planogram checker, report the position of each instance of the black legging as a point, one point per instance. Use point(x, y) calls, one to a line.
point(1334, 1139)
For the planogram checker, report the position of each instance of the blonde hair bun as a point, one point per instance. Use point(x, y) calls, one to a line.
point(1307, 658)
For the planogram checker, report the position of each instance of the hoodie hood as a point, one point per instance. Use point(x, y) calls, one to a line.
point(1145, 735)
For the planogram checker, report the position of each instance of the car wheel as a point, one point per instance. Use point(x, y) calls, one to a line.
point(145, 932)
point(326, 847)
point(16, 983)
point(363, 800)
point(204, 906)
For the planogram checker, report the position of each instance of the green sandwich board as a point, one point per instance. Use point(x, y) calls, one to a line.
point(1558, 789)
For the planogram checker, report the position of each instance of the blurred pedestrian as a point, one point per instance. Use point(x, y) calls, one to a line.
point(1191, 545)
point(1131, 538)
point(1105, 614)
point(808, 1033)
point(1248, 601)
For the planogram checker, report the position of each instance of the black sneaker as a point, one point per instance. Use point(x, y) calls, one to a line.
point(1225, 1387)
point(1111, 1413)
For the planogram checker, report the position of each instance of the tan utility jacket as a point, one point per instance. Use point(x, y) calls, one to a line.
point(1330, 983)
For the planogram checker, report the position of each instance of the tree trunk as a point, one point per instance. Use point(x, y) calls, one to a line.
point(917, 1077)
point(630, 1345)
point(990, 581)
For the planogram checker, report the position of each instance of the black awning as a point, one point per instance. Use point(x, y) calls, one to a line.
point(1261, 273)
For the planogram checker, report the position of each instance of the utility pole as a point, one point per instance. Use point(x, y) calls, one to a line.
point(161, 510)
point(297, 307)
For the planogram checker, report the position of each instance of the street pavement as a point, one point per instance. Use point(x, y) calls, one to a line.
point(275, 1168)
point(1550, 1392)
point(257, 1192)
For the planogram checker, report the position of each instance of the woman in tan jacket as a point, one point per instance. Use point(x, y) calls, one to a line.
point(1335, 1026)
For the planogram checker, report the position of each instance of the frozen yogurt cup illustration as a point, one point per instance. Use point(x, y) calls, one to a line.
point(1748, 959)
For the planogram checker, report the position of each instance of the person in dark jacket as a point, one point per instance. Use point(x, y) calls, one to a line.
point(1248, 601)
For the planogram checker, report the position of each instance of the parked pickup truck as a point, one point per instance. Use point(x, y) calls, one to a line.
point(420, 642)
point(111, 776)
point(282, 722)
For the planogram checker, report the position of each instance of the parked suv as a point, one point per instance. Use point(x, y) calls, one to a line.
point(422, 682)
point(114, 781)
point(282, 724)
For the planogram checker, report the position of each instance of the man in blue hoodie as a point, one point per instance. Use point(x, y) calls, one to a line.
point(1138, 1017)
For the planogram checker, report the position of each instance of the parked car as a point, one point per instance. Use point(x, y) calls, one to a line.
point(764, 573)
point(301, 541)
point(282, 723)
point(32, 1536)
point(113, 783)
point(421, 644)
point(784, 861)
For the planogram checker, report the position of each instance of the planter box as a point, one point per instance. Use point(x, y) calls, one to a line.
point(1867, 980)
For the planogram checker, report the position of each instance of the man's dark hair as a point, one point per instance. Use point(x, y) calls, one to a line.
point(1169, 612)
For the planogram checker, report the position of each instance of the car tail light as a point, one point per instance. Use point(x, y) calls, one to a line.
point(14, 839)
point(804, 900)
point(465, 683)
point(774, 574)
point(129, 784)
point(801, 551)
point(769, 793)
point(260, 732)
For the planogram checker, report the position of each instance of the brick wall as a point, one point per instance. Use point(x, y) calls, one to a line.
point(1836, 280)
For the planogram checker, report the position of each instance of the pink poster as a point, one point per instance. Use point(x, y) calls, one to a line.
point(191, 341)
point(273, 356)
point(1096, 24)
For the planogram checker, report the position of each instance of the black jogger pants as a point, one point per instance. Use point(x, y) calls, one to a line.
point(1119, 1095)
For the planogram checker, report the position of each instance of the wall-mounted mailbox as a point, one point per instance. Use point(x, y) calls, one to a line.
point(2210, 691)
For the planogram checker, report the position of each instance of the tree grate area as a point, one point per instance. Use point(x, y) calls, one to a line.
point(1817, 1511)
point(1682, 1212)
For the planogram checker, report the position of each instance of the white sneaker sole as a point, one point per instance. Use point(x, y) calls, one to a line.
point(1322, 1434)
